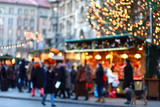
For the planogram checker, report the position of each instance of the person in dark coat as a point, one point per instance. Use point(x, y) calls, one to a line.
point(48, 86)
point(99, 81)
point(81, 81)
point(128, 79)
point(22, 74)
point(56, 77)
point(73, 79)
point(11, 76)
point(37, 77)
point(3, 81)
point(62, 79)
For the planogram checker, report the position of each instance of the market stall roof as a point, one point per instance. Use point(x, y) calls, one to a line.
point(8, 57)
point(46, 50)
point(103, 38)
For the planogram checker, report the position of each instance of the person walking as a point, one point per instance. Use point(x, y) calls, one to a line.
point(62, 79)
point(111, 78)
point(22, 74)
point(99, 82)
point(29, 71)
point(81, 89)
point(73, 79)
point(37, 78)
point(128, 79)
point(3, 81)
point(68, 80)
point(56, 77)
point(48, 86)
point(89, 79)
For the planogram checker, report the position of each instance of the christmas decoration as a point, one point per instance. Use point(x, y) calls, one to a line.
point(111, 17)
point(107, 43)
point(30, 35)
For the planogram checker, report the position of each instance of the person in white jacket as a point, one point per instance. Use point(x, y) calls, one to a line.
point(111, 78)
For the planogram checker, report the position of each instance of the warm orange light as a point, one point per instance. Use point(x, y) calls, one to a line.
point(98, 57)
point(124, 56)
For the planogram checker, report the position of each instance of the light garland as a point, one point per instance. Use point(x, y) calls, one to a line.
point(124, 16)
point(16, 45)
point(29, 35)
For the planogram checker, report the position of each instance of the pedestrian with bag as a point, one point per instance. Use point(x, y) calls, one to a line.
point(49, 86)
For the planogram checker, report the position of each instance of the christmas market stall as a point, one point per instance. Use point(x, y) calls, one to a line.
point(9, 59)
point(112, 51)
point(47, 56)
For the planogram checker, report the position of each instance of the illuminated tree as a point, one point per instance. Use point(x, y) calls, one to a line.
point(113, 17)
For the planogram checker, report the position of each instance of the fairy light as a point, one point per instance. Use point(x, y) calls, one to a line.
point(31, 36)
point(116, 17)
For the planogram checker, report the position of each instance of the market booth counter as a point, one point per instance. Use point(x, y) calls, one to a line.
point(113, 50)
point(47, 56)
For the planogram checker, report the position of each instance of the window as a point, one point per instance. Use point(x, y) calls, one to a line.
point(32, 13)
point(10, 21)
point(1, 31)
point(9, 42)
point(25, 23)
point(41, 12)
point(20, 11)
point(32, 23)
point(44, 32)
point(26, 12)
point(47, 12)
point(18, 33)
point(1, 43)
point(10, 10)
point(1, 21)
point(1, 10)
point(19, 22)
point(10, 31)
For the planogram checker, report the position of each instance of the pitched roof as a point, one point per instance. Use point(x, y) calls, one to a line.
point(41, 3)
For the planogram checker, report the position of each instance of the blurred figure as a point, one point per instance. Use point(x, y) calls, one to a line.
point(89, 79)
point(49, 86)
point(62, 79)
point(56, 77)
point(68, 80)
point(115, 82)
point(73, 79)
point(99, 82)
point(4, 82)
point(29, 71)
point(128, 79)
point(81, 83)
point(111, 78)
point(22, 73)
point(37, 77)
point(11, 76)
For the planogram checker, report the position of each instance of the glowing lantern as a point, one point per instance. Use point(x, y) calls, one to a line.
point(98, 57)
point(60, 54)
point(124, 56)
point(138, 56)
point(108, 56)
point(13, 61)
point(51, 55)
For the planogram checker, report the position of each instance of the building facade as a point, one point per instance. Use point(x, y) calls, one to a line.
point(70, 18)
point(17, 17)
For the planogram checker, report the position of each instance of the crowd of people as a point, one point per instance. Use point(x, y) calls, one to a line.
point(72, 80)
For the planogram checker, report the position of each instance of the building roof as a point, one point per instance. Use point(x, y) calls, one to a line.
point(41, 3)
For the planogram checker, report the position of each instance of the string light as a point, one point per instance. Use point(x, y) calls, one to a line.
point(116, 17)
